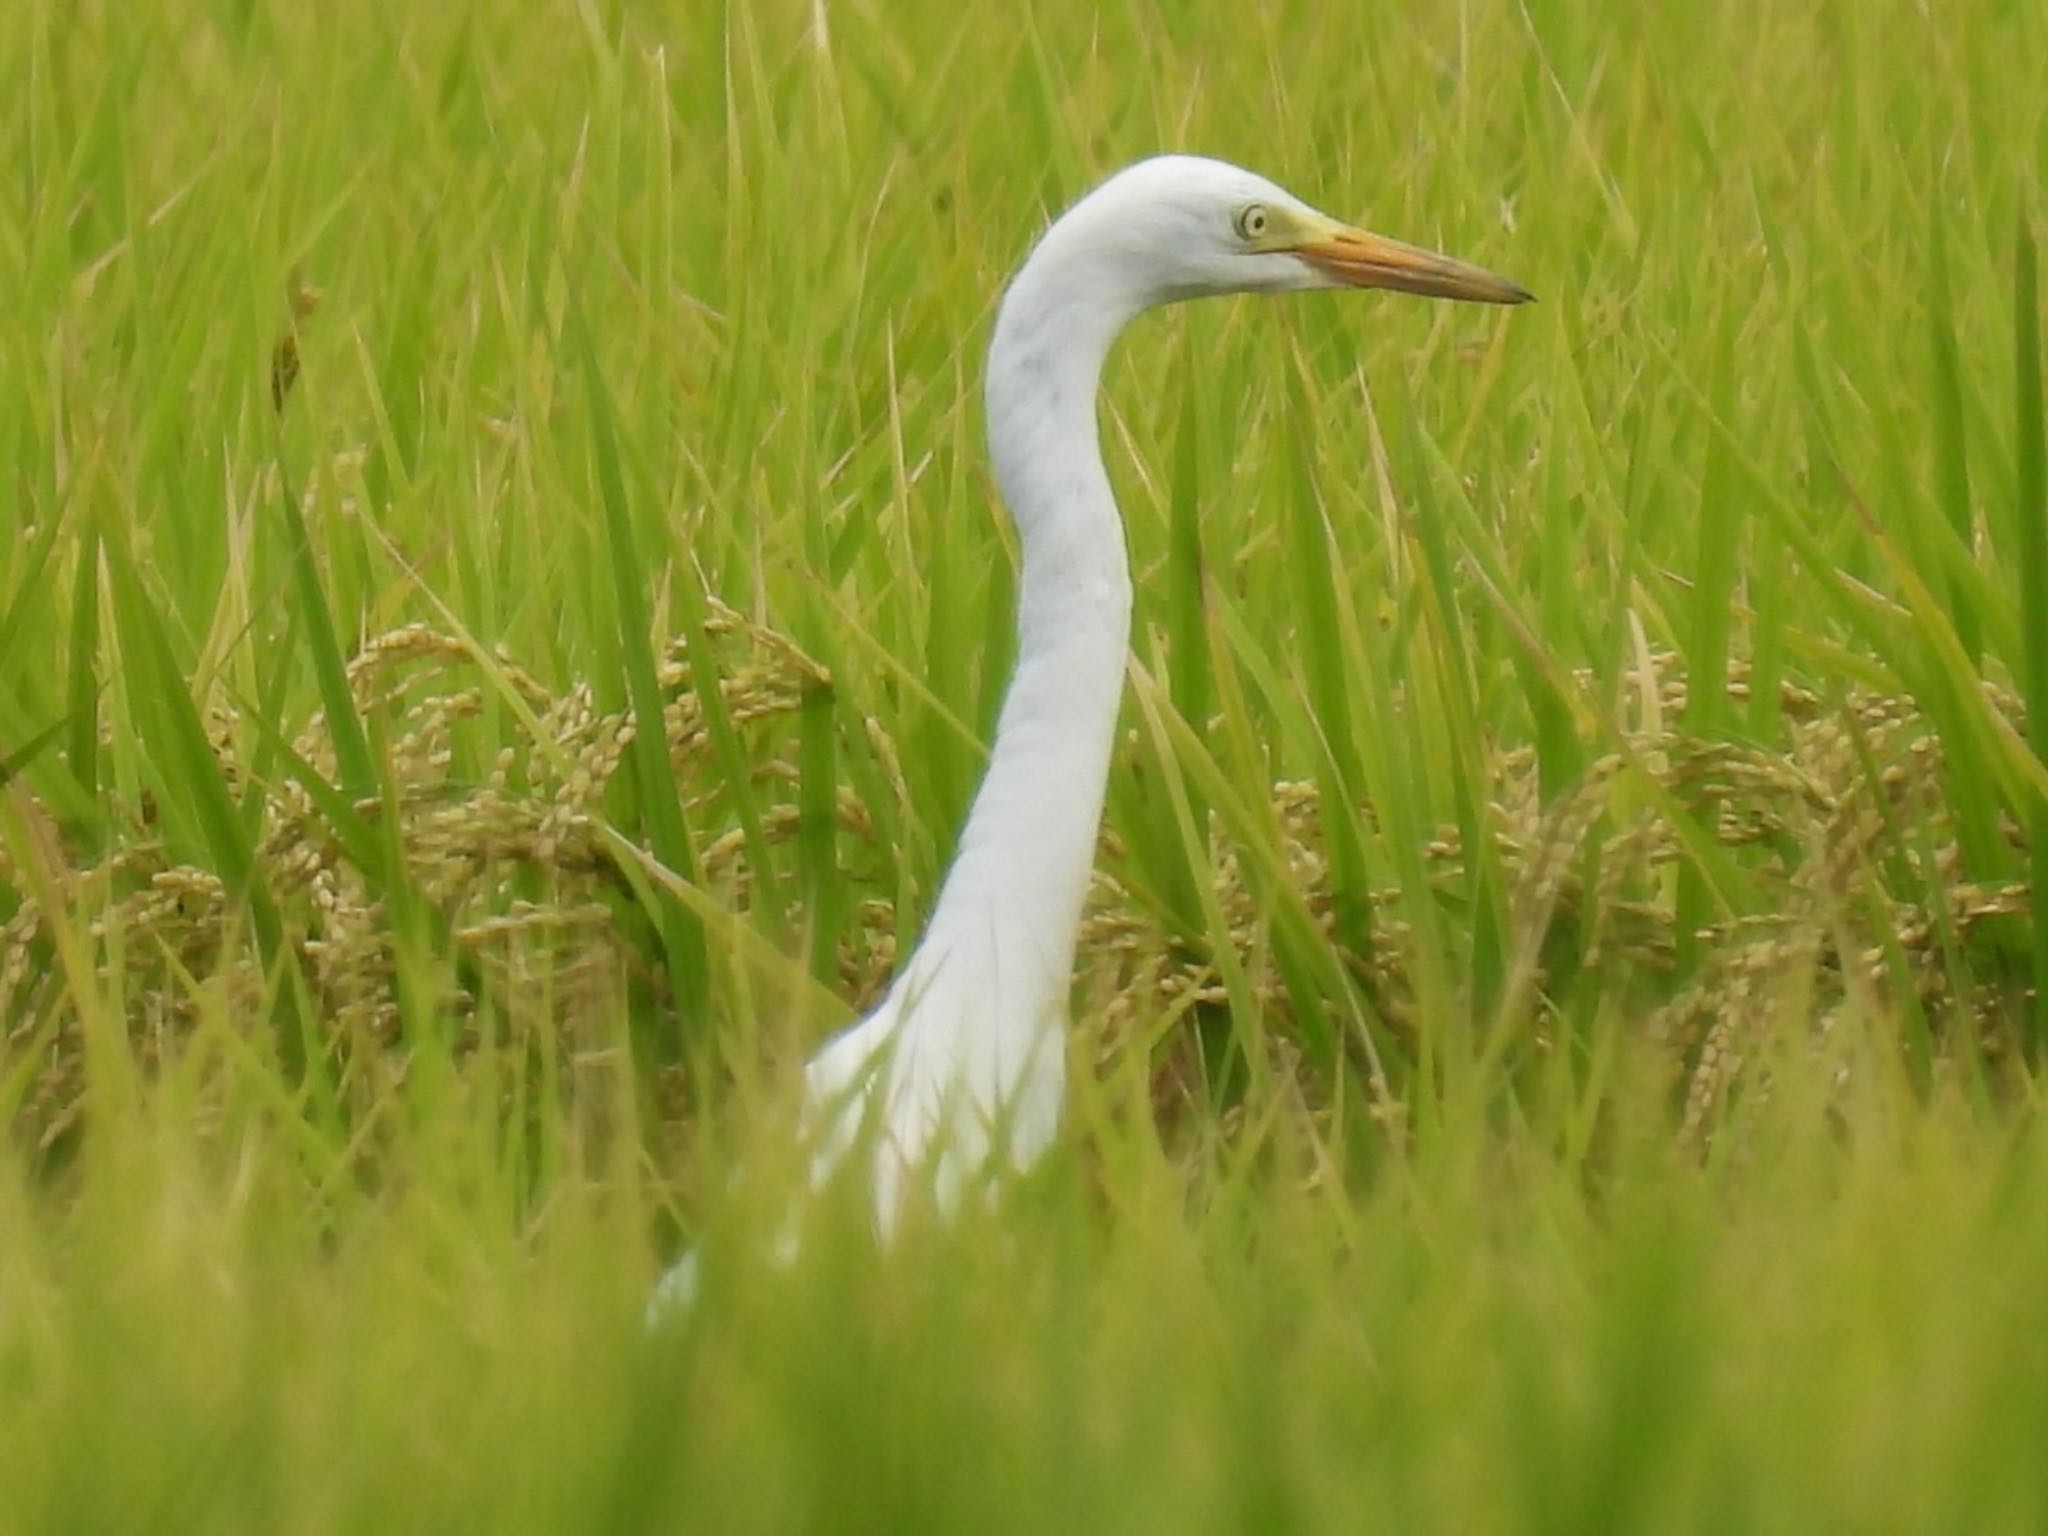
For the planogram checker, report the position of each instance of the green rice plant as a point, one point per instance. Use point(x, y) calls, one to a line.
point(1557, 1023)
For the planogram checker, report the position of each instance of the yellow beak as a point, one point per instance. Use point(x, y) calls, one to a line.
point(1365, 260)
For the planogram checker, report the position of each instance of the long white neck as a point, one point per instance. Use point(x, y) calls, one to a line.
point(1021, 873)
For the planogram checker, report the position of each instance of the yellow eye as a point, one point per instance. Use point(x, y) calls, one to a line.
point(1253, 221)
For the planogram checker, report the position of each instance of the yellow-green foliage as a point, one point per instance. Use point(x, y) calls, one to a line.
point(1557, 1017)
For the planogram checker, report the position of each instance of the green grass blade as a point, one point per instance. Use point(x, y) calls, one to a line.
point(818, 872)
point(1720, 525)
point(323, 644)
point(1187, 624)
point(658, 797)
point(2031, 523)
point(1951, 441)
point(81, 672)
point(12, 765)
point(185, 758)
point(1323, 662)
point(28, 587)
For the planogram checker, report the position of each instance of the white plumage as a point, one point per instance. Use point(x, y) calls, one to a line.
point(961, 1068)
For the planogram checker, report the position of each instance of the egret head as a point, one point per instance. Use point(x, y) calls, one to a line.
point(1179, 227)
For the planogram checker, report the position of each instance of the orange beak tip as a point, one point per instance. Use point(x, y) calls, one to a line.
point(1364, 260)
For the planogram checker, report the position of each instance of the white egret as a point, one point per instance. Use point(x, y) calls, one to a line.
point(961, 1067)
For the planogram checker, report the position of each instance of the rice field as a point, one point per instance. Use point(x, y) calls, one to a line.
point(1559, 1018)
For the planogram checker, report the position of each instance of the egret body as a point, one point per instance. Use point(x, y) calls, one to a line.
point(960, 1069)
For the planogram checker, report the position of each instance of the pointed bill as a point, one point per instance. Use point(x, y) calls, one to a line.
point(1365, 260)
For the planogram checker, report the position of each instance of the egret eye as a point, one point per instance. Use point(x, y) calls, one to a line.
point(1252, 221)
